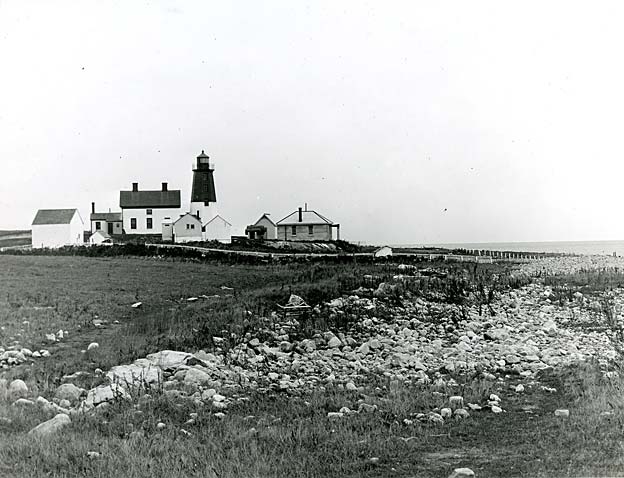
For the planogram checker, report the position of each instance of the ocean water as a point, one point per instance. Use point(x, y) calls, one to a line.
point(567, 247)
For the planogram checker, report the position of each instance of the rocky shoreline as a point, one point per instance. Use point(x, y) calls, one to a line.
point(415, 340)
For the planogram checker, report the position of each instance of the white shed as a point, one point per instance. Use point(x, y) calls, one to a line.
point(167, 229)
point(100, 238)
point(187, 228)
point(218, 229)
point(53, 228)
point(263, 228)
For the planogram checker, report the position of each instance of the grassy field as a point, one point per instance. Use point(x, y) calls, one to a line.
point(271, 434)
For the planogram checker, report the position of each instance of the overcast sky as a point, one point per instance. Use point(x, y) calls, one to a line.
point(405, 122)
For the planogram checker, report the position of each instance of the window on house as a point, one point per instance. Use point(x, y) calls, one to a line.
point(149, 212)
point(149, 222)
point(188, 226)
point(133, 223)
point(192, 226)
point(310, 229)
point(98, 225)
point(293, 230)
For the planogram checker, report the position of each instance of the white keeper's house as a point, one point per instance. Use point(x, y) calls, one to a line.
point(54, 228)
point(143, 212)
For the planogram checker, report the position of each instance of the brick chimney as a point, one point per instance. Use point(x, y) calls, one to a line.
point(300, 215)
point(92, 208)
point(164, 187)
point(135, 187)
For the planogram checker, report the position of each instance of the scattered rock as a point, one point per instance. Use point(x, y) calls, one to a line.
point(295, 301)
point(462, 473)
point(23, 402)
point(17, 389)
point(69, 392)
point(139, 374)
point(456, 402)
point(367, 408)
point(197, 377)
point(51, 426)
point(105, 393)
point(562, 413)
point(334, 342)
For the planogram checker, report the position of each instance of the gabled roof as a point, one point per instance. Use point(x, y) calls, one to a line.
point(104, 234)
point(54, 216)
point(217, 216)
point(264, 216)
point(307, 218)
point(149, 199)
point(187, 214)
point(106, 216)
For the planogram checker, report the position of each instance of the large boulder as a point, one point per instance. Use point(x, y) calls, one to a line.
point(69, 392)
point(171, 359)
point(17, 389)
point(141, 373)
point(385, 290)
point(295, 301)
point(334, 342)
point(307, 345)
point(51, 426)
point(105, 393)
point(499, 334)
point(12, 357)
point(462, 473)
point(197, 377)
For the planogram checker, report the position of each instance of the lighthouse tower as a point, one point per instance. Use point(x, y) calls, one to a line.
point(203, 195)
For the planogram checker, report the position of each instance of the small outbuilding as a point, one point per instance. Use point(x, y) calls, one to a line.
point(263, 228)
point(167, 230)
point(187, 228)
point(384, 251)
point(54, 228)
point(217, 229)
point(99, 238)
